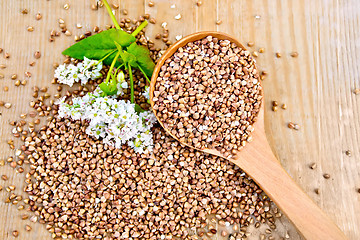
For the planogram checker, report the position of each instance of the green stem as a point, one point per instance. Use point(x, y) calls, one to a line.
point(111, 68)
point(107, 55)
point(120, 50)
point(108, 8)
point(144, 74)
point(139, 28)
point(132, 98)
point(117, 69)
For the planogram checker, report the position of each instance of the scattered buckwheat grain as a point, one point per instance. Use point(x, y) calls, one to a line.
point(28, 228)
point(294, 54)
point(326, 175)
point(15, 233)
point(250, 44)
point(313, 166)
point(38, 16)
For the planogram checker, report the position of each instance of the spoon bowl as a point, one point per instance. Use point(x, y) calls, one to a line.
point(259, 162)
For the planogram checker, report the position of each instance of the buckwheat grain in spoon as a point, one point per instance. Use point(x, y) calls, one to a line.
point(206, 93)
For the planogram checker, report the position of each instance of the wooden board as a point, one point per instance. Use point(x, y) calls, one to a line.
point(317, 86)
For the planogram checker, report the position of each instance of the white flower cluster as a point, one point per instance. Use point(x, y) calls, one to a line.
point(115, 121)
point(82, 72)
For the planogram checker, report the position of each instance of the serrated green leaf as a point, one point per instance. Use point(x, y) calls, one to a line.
point(99, 45)
point(143, 58)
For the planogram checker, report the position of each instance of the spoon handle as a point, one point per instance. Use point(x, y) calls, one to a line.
point(261, 164)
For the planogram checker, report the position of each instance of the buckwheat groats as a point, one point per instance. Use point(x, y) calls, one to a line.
point(208, 95)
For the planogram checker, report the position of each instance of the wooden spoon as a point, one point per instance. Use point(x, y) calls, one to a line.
point(258, 161)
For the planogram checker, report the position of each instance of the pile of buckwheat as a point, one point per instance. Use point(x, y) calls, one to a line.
point(81, 188)
point(208, 94)
point(85, 189)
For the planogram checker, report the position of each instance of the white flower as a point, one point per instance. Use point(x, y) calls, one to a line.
point(124, 85)
point(90, 69)
point(146, 94)
point(115, 121)
point(121, 83)
point(63, 74)
point(178, 37)
point(82, 72)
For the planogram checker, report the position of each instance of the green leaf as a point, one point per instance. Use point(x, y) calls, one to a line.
point(99, 45)
point(108, 89)
point(129, 58)
point(126, 57)
point(113, 82)
point(104, 87)
point(138, 109)
point(143, 58)
point(109, 60)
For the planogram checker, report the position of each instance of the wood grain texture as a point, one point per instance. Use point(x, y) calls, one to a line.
point(317, 86)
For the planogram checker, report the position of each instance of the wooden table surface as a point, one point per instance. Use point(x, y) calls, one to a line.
point(317, 86)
